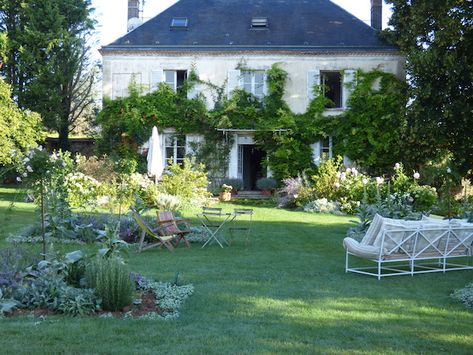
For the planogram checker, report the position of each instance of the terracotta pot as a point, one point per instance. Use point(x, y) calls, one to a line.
point(267, 192)
point(225, 196)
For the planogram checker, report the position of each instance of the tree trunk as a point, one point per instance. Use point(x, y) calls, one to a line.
point(64, 136)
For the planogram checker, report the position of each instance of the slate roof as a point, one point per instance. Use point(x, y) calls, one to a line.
point(225, 25)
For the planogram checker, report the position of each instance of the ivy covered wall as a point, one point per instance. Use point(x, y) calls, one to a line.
point(285, 136)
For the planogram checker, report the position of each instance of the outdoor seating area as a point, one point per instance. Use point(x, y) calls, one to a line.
point(400, 247)
point(215, 224)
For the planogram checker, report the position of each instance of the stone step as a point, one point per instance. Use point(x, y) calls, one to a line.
point(250, 195)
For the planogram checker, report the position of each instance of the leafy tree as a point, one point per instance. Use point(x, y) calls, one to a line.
point(437, 38)
point(18, 129)
point(47, 59)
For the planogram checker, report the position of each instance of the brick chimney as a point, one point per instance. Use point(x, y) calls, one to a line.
point(133, 9)
point(377, 14)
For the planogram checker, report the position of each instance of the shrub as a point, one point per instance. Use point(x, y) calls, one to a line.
point(101, 169)
point(326, 178)
point(82, 190)
point(322, 206)
point(49, 290)
point(295, 192)
point(166, 202)
point(464, 295)
point(266, 184)
point(187, 181)
point(425, 197)
point(111, 280)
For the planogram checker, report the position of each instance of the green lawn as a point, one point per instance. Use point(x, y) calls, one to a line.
point(284, 293)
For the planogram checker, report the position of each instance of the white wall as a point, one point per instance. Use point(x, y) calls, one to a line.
point(117, 69)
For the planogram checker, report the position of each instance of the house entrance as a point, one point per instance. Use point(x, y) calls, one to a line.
point(252, 167)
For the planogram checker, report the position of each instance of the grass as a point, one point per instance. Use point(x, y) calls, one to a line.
point(284, 293)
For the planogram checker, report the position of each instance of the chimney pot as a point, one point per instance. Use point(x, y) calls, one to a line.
point(377, 14)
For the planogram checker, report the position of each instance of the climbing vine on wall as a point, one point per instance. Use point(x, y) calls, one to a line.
point(284, 136)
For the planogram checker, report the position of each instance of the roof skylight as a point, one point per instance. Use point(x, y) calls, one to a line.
point(179, 22)
point(259, 22)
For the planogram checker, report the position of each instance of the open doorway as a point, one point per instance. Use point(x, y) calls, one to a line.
point(252, 164)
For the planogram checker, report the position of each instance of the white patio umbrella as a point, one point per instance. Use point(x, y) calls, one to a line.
point(155, 156)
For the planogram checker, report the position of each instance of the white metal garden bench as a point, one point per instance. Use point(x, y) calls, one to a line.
point(412, 247)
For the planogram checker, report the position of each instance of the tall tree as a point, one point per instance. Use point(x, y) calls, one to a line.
point(47, 62)
point(437, 38)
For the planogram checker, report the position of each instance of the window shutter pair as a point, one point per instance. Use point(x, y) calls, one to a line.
point(349, 79)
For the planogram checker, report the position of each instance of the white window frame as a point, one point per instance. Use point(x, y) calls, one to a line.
point(175, 147)
point(253, 81)
point(322, 83)
point(172, 85)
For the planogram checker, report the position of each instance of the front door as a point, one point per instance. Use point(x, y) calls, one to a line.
point(252, 159)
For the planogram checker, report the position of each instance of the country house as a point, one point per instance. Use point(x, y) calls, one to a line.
point(316, 42)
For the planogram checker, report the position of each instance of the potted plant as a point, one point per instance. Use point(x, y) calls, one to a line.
point(237, 184)
point(266, 185)
point(225, 192)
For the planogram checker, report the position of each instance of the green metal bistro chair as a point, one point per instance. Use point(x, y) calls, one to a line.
point(242, 223)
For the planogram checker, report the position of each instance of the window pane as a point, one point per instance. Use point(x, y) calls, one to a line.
point(169, 140)
point(247, 81)
point(259, 83)
point(169, 78)
point(181, 141)
point(181, 152)
point(169, 153)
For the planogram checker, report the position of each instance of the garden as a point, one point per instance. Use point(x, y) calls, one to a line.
point(70, 270)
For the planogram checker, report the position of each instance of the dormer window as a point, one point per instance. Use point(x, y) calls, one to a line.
point(179, 23)
point(259, 23)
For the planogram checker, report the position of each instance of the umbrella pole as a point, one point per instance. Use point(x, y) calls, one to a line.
point(156, 179)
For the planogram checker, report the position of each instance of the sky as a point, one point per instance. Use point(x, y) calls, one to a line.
point(112, 15)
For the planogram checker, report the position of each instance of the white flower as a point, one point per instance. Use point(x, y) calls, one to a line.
point(343, 176)
point(26, 160)
point(24, 175)
point(379, 180)
point(338, 174)
point(40, 147)
point(365, 181)
point(397, 166)
point(416, 175)
point(29, 169)
point(348, 171)
point(18, 179)
point(354, 172)
point(337, 185)
point(449, 170)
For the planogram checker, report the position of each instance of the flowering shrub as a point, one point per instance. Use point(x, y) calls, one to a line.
point(425, 197)
point(296, 192)
point(82, 190)
point(322, 206)
point(187, 181)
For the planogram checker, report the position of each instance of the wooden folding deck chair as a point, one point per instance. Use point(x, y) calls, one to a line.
point(170, 225)
point(165, 240)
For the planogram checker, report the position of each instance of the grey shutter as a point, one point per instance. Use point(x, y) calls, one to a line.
point(234, 81)
point(313, 78)
point(349, 81)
